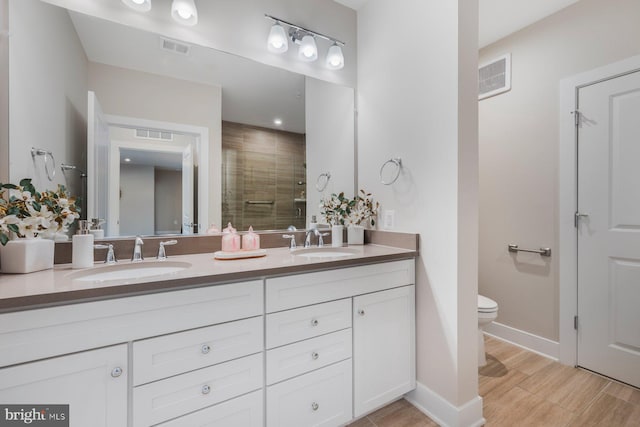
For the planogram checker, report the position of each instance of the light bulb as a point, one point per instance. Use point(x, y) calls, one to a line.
point(308, 50)
point(184, 12)
point(277, 41)
point(138, 5)
point(335, 58)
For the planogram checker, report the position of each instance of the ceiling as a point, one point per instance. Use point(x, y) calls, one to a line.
point(499, 18)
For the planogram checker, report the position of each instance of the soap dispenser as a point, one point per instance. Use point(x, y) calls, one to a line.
point(82, 246)
point(230, 239)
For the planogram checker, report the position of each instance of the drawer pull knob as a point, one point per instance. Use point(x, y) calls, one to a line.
point(314, 322)
point(205, 349)
point(206, 389)
point(361, 312)
point(116, 372)
point(315, 406)
point(315, 355)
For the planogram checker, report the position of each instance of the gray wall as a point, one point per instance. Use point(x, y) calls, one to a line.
point(47, 92)
point(137, 200)
point(519, 153)
point(168, 201)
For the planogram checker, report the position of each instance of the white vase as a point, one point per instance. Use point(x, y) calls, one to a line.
point(355, 235)
point(26, 255)
point(336, 235)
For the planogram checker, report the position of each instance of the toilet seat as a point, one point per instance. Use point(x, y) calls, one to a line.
point(486, 305)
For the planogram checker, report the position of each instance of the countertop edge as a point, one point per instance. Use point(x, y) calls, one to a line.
point(45, 300)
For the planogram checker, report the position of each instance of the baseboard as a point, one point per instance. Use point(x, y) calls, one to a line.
point(444, 413)
point(526, 340)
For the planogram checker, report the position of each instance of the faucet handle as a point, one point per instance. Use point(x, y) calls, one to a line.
point(137, 250)
point(111, 256)
point(320, 240)
point(292, 243)
point(162, 254)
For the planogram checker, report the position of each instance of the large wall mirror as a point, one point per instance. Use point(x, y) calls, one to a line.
point(166, 136)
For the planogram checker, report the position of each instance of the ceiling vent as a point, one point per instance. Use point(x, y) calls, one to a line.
point(154, 134)
point(175, 46)
point(494, 77)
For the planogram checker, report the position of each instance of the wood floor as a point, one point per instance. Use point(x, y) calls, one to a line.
point(521, 388)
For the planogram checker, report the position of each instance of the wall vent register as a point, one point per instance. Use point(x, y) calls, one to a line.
point(494, 77)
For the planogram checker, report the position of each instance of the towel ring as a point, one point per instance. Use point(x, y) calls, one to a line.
point(51, 171)
point(321, 184)
point(397, 161)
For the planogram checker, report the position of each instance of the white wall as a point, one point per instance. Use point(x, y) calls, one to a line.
point(330, 124)
point(4, 91)
point(417, 99)
point(141, 95)
point(47, 93)
point(239, 27)
point(137, 200)
point(519, 153)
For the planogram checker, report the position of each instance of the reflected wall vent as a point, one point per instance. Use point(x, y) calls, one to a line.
point(494, 77)
point(154, 134)
point(175, 46)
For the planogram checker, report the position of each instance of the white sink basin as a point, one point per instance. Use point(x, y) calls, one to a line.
point(328, 252)
point(124, 272)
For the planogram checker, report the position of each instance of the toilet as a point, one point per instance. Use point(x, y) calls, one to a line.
point(487, 313)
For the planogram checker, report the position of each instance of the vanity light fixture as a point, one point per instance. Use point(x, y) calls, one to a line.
point(335, 58)
point(127, 160)
point(277, 42)
point(184, 12)
point(138, 5)
point(308, 50)
point(306, 40)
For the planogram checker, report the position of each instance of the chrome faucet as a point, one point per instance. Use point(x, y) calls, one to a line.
point(315, 231)
point(137, 250)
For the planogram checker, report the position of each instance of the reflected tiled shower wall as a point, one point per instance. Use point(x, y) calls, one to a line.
point(263, 178)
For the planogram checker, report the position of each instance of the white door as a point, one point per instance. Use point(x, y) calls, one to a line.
point(188, 222)
point(97, 162)
point(609, 237)
point(383, 347)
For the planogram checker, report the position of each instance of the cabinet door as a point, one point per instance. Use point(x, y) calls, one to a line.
point(89, 382)
point(383, 347)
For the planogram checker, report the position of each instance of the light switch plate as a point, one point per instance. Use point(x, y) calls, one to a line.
point(388, 219)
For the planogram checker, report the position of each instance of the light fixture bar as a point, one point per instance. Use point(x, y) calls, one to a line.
point(322, 36)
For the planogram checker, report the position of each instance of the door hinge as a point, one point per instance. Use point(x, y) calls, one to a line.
point(576, 117)
point(575, 322)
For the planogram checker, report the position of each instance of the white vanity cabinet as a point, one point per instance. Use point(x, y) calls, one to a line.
point(308, 349)
point(340, 343)
point(383, 347)
point(93, 383)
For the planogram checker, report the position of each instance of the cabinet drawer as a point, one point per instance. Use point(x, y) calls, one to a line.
point(162, 357)
point(36, 334)
point(319, 398)
point(283, 293)
point(243, 411)
point(304, 356)
point(173, 397)
point(296, 325)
